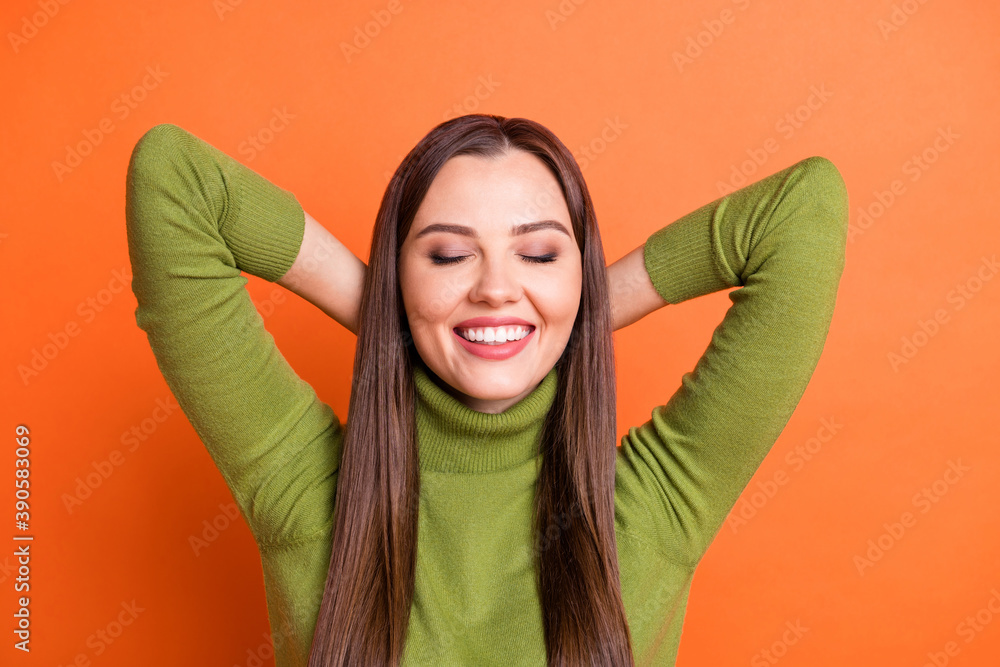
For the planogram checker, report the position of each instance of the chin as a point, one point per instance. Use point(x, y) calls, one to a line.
point(496, 392)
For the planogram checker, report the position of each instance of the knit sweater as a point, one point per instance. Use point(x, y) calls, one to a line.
point(196, 218)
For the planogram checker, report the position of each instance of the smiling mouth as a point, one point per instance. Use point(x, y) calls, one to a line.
point(495, 335)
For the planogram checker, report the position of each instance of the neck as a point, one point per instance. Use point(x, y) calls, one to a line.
point(486, 405)
point(454, 437)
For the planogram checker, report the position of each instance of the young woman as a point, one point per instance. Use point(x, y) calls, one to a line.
point(474, 509)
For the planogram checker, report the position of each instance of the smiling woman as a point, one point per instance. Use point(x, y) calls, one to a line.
point(482, 409)
point(499, 266)
point(456, 254)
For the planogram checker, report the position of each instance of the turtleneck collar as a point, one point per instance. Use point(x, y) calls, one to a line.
point(457, 439)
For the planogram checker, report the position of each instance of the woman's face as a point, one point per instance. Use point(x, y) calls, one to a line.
point(469, 254)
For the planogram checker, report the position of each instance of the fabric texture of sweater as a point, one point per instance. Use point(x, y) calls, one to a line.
point(196, 218)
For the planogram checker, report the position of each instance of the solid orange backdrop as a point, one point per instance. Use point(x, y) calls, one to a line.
point(871, 526)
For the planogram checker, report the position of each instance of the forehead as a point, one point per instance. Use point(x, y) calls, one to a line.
point(492, 193)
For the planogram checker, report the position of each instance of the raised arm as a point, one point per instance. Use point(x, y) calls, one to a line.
point(631, 290)
point(195, 219)
point(782, 241)
point(328, 275)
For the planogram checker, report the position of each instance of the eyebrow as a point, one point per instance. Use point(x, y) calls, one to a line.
point(516, 230)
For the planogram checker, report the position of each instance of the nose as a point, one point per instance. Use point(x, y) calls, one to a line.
point(497, 282)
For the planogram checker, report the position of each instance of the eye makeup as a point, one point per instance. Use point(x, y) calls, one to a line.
point(455, 259)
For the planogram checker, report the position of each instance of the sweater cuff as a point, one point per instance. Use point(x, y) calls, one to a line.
point(683, 259)
point(263, 226)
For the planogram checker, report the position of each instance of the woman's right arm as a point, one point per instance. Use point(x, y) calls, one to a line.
point(328, 275)
point(195, 219)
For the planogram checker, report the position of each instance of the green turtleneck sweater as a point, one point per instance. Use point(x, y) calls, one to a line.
point(197, 218)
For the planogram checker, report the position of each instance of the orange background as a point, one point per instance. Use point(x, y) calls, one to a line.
point(223, 70)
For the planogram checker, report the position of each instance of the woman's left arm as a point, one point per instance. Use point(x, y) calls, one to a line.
point(632, 293)
point(782, 241)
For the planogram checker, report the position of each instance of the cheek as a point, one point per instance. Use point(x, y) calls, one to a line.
point(559, 300)
point(427, 298)
point(413, 297)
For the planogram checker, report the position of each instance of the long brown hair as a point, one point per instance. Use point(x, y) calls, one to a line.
point(365, 611)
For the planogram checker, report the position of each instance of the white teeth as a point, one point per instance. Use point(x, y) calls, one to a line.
point(495, 335)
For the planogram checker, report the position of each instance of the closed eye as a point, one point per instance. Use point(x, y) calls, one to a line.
point(541, 259)
point(531, 259)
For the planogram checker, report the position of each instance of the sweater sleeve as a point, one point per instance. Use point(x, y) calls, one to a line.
point(196, 218)
point(782, 241)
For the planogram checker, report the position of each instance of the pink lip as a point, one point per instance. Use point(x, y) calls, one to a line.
point(494, 352)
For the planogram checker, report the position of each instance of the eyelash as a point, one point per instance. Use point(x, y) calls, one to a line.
point(543, 259)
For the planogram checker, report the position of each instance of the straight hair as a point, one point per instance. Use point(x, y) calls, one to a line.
point(366, 604)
